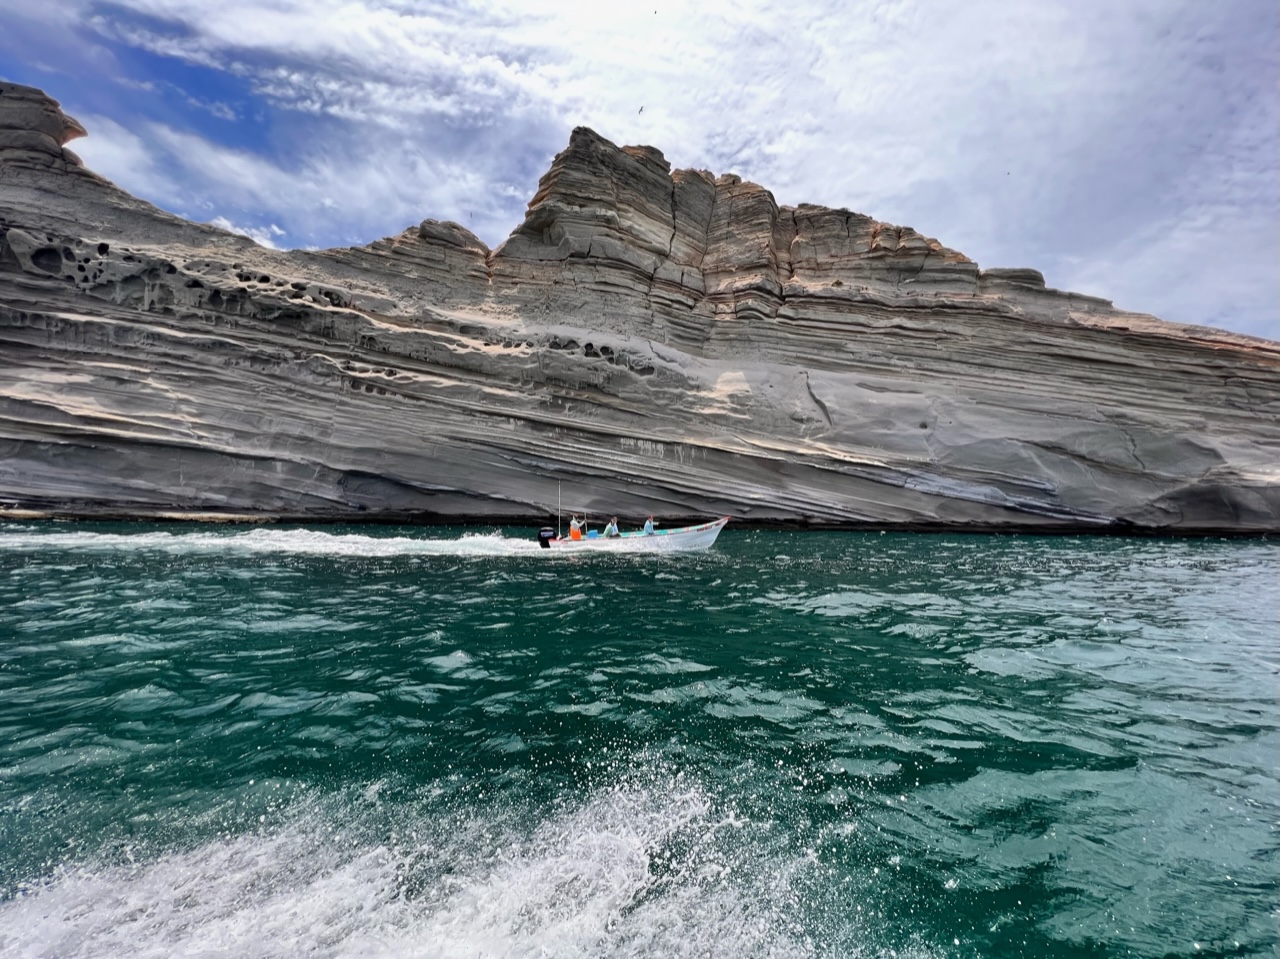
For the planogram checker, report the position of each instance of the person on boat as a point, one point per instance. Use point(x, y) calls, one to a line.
point(611, 528)
point(648, 526)
point(575, 527)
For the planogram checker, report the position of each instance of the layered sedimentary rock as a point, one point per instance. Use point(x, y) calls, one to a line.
point(645, 341)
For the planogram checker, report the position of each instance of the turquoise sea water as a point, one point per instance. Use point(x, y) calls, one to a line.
point(391, 742)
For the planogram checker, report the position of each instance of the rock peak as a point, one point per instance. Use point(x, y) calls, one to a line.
point(692, 236)
point(33, 128)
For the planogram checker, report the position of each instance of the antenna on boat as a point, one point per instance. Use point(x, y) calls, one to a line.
point(557, 509)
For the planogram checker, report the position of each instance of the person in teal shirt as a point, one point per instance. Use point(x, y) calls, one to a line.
point(611, 528)
point(648, 526)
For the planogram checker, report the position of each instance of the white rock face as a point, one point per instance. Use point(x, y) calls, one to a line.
point(652, 341)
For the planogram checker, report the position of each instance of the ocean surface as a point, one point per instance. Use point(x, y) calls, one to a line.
point(359, 741)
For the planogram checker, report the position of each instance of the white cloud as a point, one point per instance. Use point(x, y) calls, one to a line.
point(263, 236)
point(217, 108)
point(339, 187)
point(1210, 257)
point(124, 157)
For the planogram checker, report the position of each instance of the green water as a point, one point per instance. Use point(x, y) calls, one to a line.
point(393, 742)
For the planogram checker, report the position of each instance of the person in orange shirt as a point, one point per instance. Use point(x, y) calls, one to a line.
point(575, 527)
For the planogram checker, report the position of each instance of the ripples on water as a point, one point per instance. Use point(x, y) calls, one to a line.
point(391, 742)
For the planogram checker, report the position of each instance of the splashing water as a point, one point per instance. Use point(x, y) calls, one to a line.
point(269, 542)
point(630, 871)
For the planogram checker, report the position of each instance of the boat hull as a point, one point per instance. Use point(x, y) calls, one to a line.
point(681, 539)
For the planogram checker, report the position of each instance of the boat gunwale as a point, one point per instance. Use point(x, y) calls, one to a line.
point(710, 527)
point(701, 528)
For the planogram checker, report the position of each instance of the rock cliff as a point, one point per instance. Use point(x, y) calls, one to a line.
point(651, 341)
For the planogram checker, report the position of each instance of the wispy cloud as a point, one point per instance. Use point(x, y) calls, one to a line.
point(264, 236)
point(334, 194)
point(1122, 149)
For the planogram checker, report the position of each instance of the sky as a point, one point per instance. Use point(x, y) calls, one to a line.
point(1129, 150)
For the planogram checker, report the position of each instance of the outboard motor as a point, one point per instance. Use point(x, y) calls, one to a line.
point(545, 536)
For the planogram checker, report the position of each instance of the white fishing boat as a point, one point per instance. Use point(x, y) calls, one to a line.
point(680, 539)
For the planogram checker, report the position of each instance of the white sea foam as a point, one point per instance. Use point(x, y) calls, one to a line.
point(298, 542)
point(631, 872)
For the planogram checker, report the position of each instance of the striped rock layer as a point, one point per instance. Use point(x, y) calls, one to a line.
point(645, 341)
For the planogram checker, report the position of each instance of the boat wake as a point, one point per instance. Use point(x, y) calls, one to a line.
point(313, 542)
point(296, 542)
